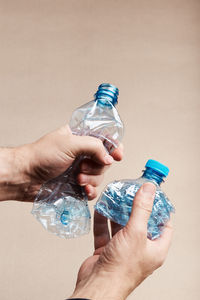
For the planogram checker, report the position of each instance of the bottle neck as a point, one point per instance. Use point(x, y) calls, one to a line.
point(107, 95)
point(153, 175)
point(105, 101)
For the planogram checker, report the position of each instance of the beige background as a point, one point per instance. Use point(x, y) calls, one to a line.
point(53, 55)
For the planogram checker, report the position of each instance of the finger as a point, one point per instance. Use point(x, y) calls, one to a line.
point(94, 180)
point(142, 207)
point(92, 147)
point(101, 231)
point(164, 241)
point(117, 153)
point(92, 168)
point(115, 228)
point(91, 192)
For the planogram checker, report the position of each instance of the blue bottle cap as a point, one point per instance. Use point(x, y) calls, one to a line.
point(108, 90)
point(157, 166)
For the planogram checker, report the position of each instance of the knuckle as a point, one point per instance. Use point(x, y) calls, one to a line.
point(98, 143)
point(143, 203)
point(138, 232)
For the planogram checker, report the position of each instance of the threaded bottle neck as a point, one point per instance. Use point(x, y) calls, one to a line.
point(153, 175)
point(107, 94)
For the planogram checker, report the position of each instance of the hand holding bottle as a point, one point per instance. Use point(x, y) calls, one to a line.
point(61, 204)
point(119, 265)
point(55, 152)
point(25, 168)
point(116, 200)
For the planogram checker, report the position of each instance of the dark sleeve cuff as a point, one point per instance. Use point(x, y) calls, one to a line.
point(78, 299)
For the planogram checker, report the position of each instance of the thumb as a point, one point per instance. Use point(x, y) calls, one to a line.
point(92, 147)
point(142, 208)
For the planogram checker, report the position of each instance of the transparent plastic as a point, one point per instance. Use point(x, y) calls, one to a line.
point(116, 202)
point(61, 204)
point(99, 119)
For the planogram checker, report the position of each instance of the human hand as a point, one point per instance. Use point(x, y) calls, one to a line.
point(50, 156)
point(56, 151)
point(119, 265)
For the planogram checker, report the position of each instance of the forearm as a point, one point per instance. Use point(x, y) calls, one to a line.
point(14, 174)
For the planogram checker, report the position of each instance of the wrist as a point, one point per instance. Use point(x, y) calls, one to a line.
point(14, 173)
point(98, 287)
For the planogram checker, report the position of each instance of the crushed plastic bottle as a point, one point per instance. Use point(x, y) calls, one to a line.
point(116, 201)
point(61, 204)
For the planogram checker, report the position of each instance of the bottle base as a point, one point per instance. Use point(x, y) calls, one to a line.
point(66, 217)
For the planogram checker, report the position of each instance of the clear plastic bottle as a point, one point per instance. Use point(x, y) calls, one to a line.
point(61, 204)
point(116, 200)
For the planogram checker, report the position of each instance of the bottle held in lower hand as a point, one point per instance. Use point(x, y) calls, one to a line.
point(61, 204)
point(117, 199)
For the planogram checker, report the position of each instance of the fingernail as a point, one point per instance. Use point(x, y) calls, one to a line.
point(108, 159)
point(148, 188)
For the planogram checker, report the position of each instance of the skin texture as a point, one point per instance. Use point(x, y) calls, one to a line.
point(25, 168)
point(120, 264)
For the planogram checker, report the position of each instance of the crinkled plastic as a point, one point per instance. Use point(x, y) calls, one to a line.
point(116, 202)
point(98, 119)
point(61, 204)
